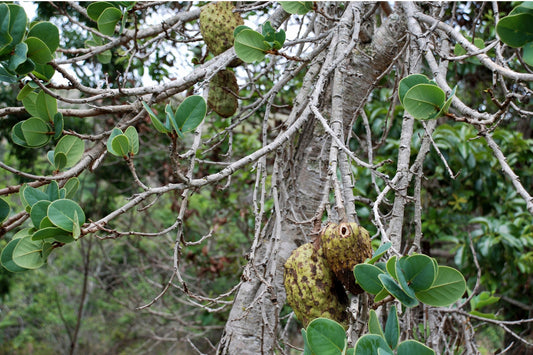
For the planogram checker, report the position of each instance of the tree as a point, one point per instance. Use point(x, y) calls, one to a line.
point(200, 146)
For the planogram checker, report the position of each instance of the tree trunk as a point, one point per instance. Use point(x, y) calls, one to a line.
point(252, 327)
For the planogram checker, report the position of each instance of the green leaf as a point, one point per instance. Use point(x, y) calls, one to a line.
point(403, 281)
point(32, 195)
point(45, 223)
point(307, 349)
point(5, 37)
point(391, 266)
point(424, 101)
point(516, 30)
point(71, 186)
point(268, 32)
point(6, 257)
point(409, 82)
point(58, 125)
point(72, 147)
point(369, 344)
point(133, 138)
point(108, 20)
point(104, 57)
point(121, 145)
point(60, 160)
point(525, 7)
point(239, 29)
point(4, 210)
point(17, 23)
point(527, 54)
point(47, 249)
point(115, 132)
point(190, 113)
point(38, 51)
point(28, 253)
point(46, 106)
point(17, 136)
point(448, 287)
point(374, 327)
point(61, 213)
point(250, 46)
point(29, 102)
point(381, 295)
point(95, 9)
point(19, 56)
point(46, 32)
point(52, 234)
point(36, 132)
point(297, 7)
point(25, 91)
point(53, 190)
point(482, 300)
point(419, 270)
point(366, 275)
point(326, 337)
point(44, 71)
point(155, 121)
point(392, 328)
point(6, 76)
point(459, 50)
point(394, 289)
point(410, 347)
point(38, 212)
point(379, 253)
point(448, 103)
point(76, 230)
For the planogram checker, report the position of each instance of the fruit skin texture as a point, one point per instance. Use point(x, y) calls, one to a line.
point(219, 98)
point(346, 245)
point(312, 289)
point(217, 22)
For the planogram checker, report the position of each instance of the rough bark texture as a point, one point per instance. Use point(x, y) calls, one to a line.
point(253, 322)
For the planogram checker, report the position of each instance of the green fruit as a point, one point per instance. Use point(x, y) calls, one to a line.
point(217, 22)
point(222, 90)
point(346, 245)
point(312, 289)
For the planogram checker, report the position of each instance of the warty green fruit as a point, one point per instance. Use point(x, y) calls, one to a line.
point(217, 22)
point(312, 289)
point(346, 245)
point(222, 90)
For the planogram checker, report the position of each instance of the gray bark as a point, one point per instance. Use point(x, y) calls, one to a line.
point(252, 327)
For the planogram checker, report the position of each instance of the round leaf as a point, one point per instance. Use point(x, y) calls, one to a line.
point(60, 160)
point(44, 71)
point(38, 51)
point(424, 101)
point(4, 210)
point(46, 32)
point(71, 186)
point(19, 56)
point(6, 257)
point(419, 270)
point(133, 138)
point(38, 212)
point(190, 113)
point(448, 287)
point(121, 145)
point(46, 106)
point(527, 54)
point(115, 132)
point(17, 22)
point(17, 136)
point(61, 213)
point(410, 81)
point(394, 289)
point(326, 337)
point(250, 46)
point(95, 9)
point(32, 195)
point(36, 132)
point(108, 20)
point(28, 253)
point(369, 344)
point(366, 275)
point(410, 347)
point(297, 7)
point(5, 37)
point(516, 30)
point(72, 147)
point(53, 234)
